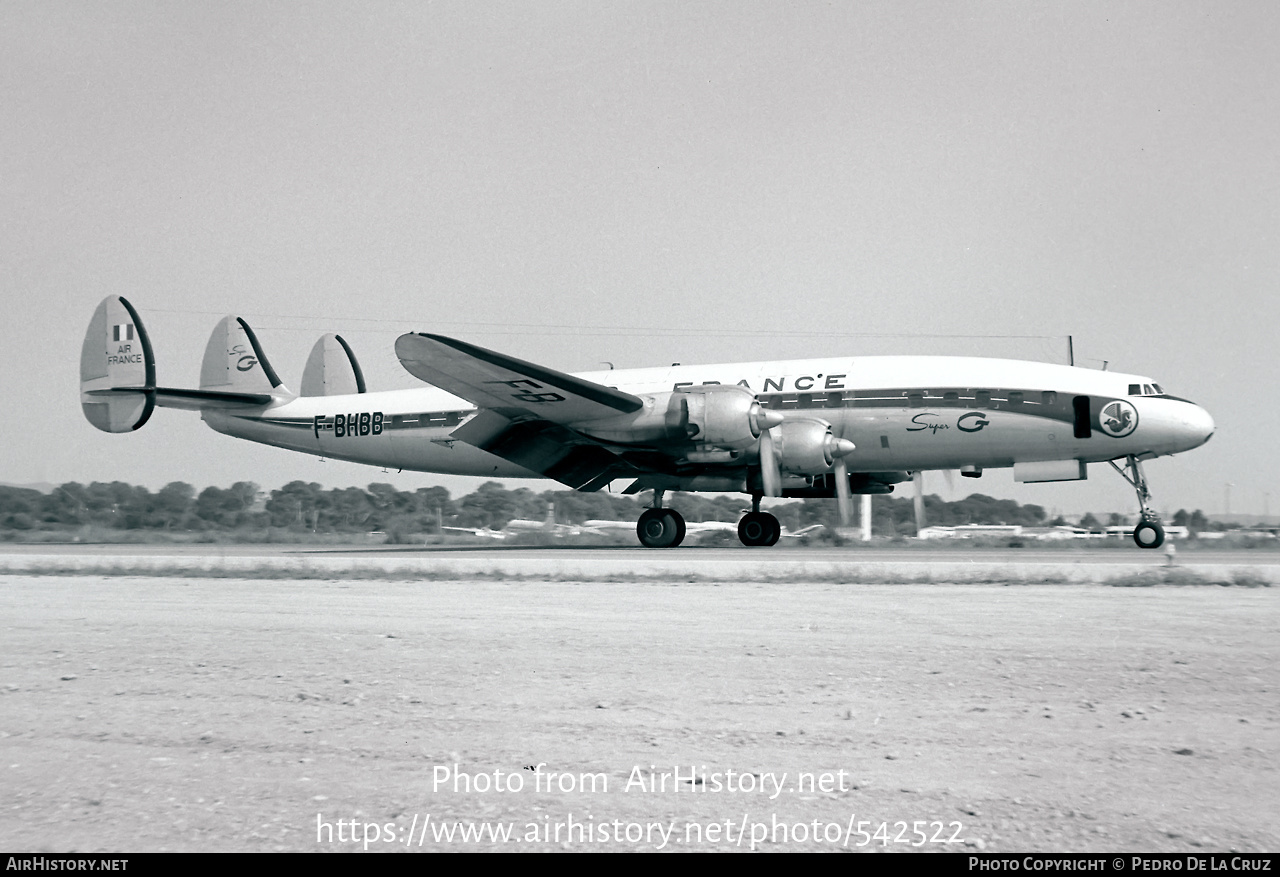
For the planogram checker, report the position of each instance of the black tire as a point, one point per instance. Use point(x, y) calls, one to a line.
point(1148, 534)
point(657, 528)
point(758, 528)
point(775, 530)
point(677, 521)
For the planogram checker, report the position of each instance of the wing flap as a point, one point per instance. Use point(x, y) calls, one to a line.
point(547, 448)
point(497, 381)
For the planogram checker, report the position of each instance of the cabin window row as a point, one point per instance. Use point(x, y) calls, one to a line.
point(427, 419)
point(913, 399)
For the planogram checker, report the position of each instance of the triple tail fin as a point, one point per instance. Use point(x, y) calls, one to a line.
point(332, 369)
point(118, 388)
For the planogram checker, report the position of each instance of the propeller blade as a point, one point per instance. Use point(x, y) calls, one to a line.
point(918, 478)
point(769, 472)
point(844, 498)
point(950, 475)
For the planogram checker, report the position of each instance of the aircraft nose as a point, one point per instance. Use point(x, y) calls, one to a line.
point(1198, 424)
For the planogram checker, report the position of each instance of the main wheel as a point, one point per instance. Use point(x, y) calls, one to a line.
point(660, 528)
point(1148, 534)
point(758, 528)
point(678, 520)
point(775, 530)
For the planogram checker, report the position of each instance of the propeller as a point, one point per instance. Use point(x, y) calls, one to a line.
point(834, 451)
point(844, 497)
point(918, 478)
point(769, 472)
point(763, 419)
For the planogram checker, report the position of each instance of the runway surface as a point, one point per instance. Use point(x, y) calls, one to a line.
point(882, 564)
point(155, 713)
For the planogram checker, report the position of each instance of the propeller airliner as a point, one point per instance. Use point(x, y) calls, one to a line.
point(802, 428)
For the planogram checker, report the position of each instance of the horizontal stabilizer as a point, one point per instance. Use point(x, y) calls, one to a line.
point(198, 400)
point(510, 385)
point(191, 400)
point(332, 369)
point(116, 356)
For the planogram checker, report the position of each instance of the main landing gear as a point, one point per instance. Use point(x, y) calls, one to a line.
point(659, 527)
point(757, 527)
point(1149, 533)
point(664, 528)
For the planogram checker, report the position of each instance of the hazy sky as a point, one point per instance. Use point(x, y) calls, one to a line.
point(643, 183)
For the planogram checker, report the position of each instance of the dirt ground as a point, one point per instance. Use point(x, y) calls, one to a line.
point(141, 714)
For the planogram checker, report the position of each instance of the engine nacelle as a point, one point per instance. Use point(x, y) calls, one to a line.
point(719, 416)
point(711, 416)
point(806, 447)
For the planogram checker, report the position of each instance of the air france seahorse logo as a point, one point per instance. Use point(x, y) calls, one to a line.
point(1118, 419)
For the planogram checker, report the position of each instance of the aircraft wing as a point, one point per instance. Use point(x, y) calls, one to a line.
point(524, 409)
point(500, 382)
point(547, 448)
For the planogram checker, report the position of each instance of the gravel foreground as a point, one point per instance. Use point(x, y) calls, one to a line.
point(141, 714)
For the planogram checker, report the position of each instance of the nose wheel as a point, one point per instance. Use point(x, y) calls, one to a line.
point(1149, 533)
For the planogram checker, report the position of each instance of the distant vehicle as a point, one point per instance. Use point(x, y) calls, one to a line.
point(806, 428)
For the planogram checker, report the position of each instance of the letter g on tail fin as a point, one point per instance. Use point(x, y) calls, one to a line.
point(117, 369)
point(234, 361)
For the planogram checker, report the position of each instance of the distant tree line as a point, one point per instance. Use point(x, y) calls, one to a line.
point(1196, 522)
point(307, 507)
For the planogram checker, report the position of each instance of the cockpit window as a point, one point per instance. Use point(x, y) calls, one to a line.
point(1158, 390)
point(1135, 389)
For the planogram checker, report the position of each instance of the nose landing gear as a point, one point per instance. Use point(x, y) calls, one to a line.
point(1149, 533)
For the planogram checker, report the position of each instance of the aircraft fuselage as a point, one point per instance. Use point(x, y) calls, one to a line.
point(902, 413)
